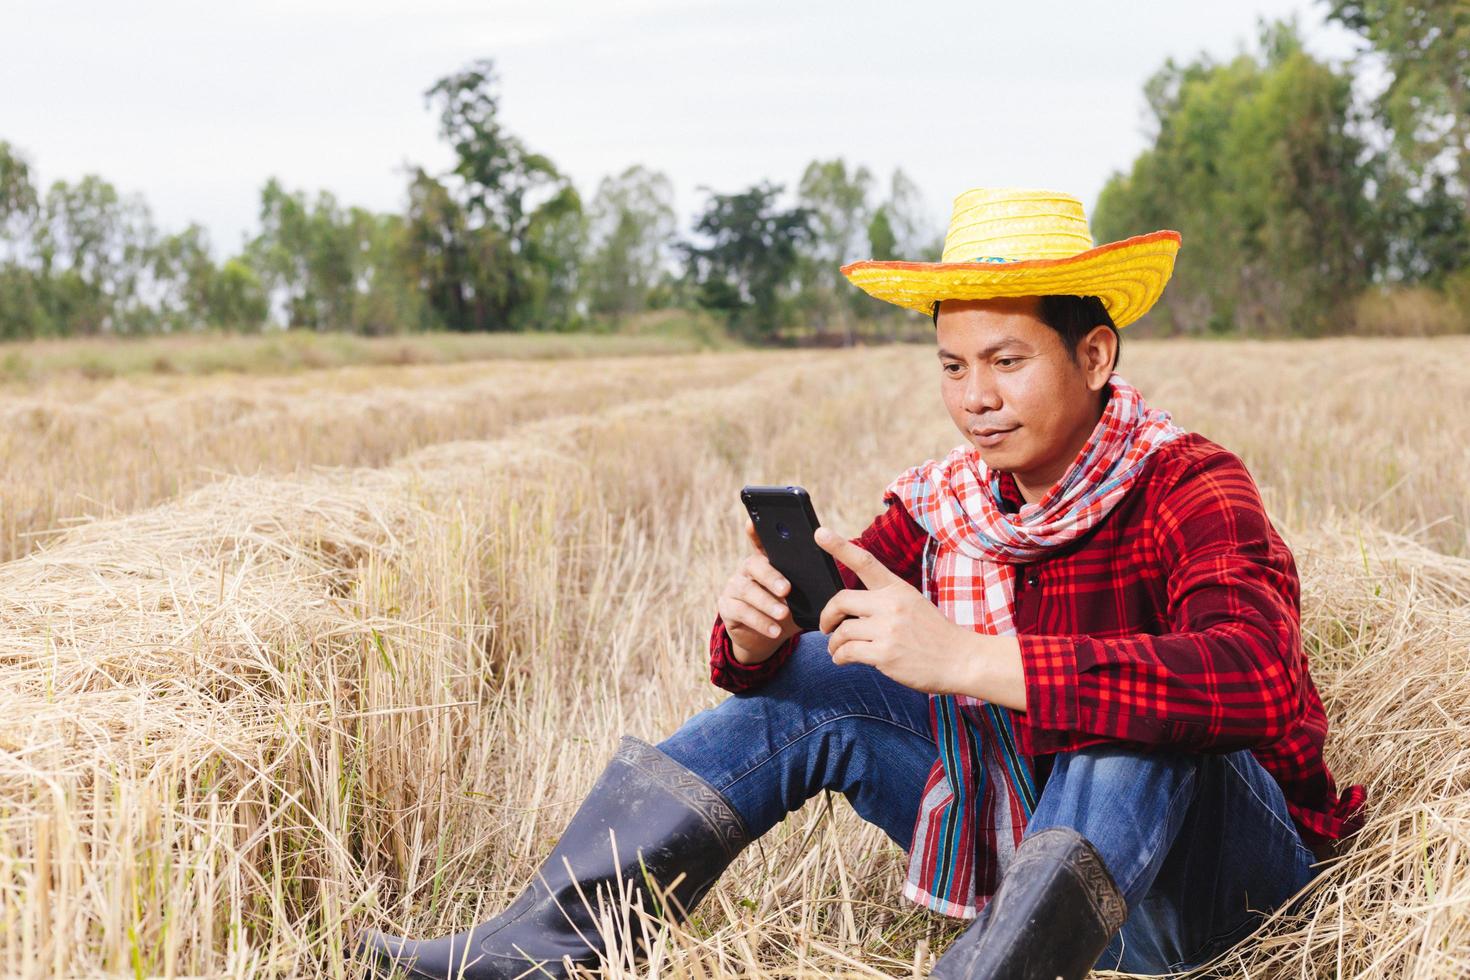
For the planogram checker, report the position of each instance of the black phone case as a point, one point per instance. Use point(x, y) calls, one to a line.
point(784, 522)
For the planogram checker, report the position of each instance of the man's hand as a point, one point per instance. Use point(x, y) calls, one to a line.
point(753, 605)
point(896, 629)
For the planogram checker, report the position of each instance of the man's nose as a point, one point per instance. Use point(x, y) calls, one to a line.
point(980, 394)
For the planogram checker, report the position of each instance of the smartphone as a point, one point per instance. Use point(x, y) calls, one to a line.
point(785, 522)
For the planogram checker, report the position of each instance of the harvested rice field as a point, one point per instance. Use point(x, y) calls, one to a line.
point(282, 655)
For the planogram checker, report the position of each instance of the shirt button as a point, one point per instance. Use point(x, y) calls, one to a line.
point(1032, 580)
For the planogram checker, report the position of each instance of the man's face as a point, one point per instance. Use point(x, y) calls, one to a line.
point(1002, 368)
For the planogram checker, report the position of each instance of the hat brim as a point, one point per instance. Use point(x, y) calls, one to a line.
point(1128, 276)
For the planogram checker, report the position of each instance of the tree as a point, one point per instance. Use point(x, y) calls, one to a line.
point(514, 203)
point(331, 268)
point(555, 239)
point(386, 297)
point(83, 259)
point(183, 270)
point(91, 247)
point(1426, 45)
point(436, 249)
point(631, 232)
point(1425, 110)
point(838, 202)
point(747, 269)
point(900, 227)
point(22, 307)
point(1257, 162)
point(305, 255)
point(19, 202)
point(190, 292)
point(237, 297)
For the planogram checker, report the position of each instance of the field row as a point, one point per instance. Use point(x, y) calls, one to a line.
point(77, 448)
point(1353, 426)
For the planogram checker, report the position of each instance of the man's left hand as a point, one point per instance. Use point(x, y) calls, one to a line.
point(895, 627)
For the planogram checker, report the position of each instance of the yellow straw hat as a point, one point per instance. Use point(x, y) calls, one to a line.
point(1005, 241)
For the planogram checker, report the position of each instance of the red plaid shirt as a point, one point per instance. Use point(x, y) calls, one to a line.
point(1175, 622)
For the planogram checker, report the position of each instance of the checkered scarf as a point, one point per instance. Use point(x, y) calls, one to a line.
point(981, 791)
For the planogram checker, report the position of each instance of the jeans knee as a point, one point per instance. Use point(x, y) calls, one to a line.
point(806, 670)
point(1128, 803)
point(1113, 766)
point(811, 655)
point(806, 688)
point(1090, 787)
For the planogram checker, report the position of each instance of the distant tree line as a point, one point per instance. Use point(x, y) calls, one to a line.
point(502, 241)
point(1303, 213)
point(1301, 210)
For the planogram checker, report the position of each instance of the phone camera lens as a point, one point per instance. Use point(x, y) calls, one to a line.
point(783, 531)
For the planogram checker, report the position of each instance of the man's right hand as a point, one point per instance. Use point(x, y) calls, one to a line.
point(752, 605)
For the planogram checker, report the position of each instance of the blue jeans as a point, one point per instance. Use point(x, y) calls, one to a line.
point(1201, 845)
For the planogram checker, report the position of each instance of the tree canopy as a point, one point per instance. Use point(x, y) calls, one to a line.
point(1255, 162)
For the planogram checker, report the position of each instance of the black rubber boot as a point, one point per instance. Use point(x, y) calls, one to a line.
point(656, 809)
point(1050, 919)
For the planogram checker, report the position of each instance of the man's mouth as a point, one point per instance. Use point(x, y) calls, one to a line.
point(991, 436)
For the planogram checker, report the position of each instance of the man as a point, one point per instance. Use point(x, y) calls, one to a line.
point(1065, 676)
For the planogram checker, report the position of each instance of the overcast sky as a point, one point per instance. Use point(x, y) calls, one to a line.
point(194, 105)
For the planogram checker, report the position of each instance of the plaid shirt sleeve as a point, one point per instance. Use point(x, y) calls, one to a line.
point(1228, 673)
point(893, 538)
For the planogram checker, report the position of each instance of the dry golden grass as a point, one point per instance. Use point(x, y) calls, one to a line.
point(277, 352)
point(79, 447)
point(236, 720)
point(1410, 311)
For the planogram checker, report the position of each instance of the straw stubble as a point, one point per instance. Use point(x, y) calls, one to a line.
point(238, 722)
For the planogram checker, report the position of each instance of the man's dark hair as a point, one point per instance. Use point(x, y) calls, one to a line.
point(1073, 317)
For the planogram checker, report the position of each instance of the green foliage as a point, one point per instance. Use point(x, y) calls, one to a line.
point(631, 228)
point(747, 271)
point(93, 247)
point(23, 308)
point(1294, 202)
point(513, 246)
point(333, 268)
point(553, 246)
point(182, 266)
point(839, 203)
point(304, 251)
point(908, 220)
point(882, 240)
point(1257, 163)
point(18, 201)
point(850, 226)
point(494, 244)
point(437, 251)
point(237, 298)
point(83, 260)
point(1426, 106)
point(1425, 110)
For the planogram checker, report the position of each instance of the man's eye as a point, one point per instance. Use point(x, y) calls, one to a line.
point(948, 366)
point(1007, 360)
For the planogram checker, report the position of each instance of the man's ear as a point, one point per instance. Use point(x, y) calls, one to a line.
point(1096, 353)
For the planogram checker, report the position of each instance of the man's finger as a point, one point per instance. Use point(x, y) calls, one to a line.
point(755, 539)
point(873, 572)
point(752, 618)
point(760, 569)
point(851, 651)
point(852, 628)
point(844, 603)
